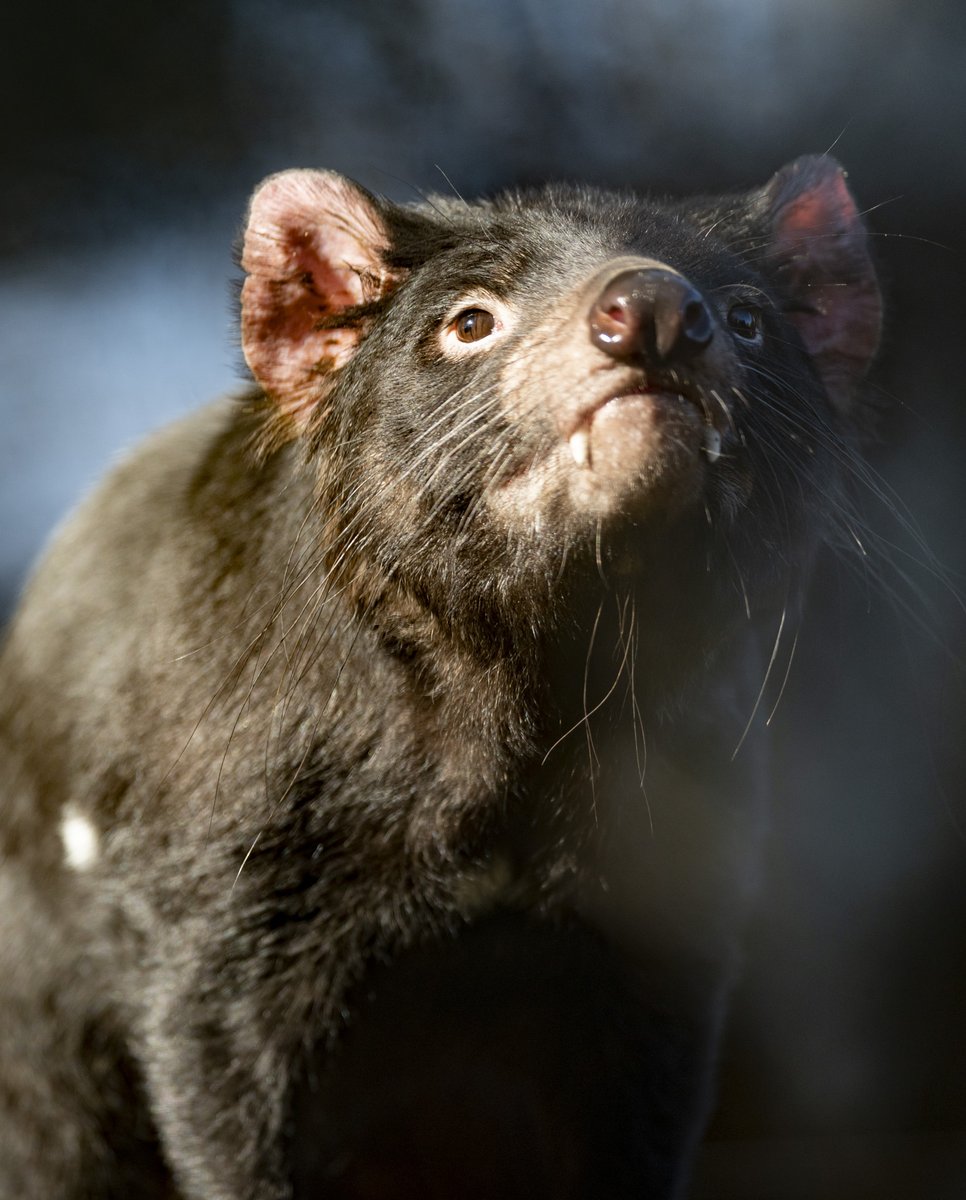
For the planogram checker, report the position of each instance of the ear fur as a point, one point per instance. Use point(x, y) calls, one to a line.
point(314, 249)
point(818, 243)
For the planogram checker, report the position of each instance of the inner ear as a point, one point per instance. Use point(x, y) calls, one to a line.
point(315, 249)
point(819, 245)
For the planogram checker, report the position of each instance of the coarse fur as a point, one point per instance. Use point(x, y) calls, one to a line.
point(370, 822)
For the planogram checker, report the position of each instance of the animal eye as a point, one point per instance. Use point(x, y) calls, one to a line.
point(745, 321)
point(474, 324)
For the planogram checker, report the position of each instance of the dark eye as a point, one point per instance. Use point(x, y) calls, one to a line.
point(745, 321)
point(474, 324)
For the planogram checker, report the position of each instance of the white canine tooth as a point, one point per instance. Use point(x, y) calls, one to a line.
point(580, 447)
point(712, 443)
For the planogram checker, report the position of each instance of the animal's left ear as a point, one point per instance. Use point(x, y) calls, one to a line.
point(315, 252)
point(818, 247)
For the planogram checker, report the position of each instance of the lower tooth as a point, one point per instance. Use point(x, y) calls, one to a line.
point(712, 443)
point(580, 448)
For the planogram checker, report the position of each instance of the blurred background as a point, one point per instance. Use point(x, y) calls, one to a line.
point(133, 135)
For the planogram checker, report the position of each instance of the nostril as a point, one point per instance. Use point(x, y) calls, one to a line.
point(696, 323)
point(613, 324)
point(682, 321)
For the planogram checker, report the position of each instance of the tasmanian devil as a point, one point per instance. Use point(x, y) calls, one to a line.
point(370, 818)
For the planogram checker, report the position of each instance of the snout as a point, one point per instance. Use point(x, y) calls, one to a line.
point(650, 315)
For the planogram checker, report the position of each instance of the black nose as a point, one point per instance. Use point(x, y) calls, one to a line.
point(650, 313)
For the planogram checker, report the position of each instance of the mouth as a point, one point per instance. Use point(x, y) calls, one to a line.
point(658, 397)
point(642, 446)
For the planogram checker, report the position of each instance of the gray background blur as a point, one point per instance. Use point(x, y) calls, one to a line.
point(131, 139)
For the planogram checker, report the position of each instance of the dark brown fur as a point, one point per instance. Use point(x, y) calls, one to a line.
point(355, 681)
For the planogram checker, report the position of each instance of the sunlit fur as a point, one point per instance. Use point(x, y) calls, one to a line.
point(374, 695)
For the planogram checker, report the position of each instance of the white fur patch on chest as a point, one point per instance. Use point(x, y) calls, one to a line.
point(82, 845)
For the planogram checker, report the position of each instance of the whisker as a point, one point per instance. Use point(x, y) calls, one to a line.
point(761, 690)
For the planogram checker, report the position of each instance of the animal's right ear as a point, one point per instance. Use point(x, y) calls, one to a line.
point(314, 250)
point(818, 247)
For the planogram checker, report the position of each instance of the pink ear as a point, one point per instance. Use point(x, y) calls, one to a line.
point(314, 248)
point(819, 243)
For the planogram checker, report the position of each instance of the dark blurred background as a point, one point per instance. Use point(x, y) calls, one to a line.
point(132, 137)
